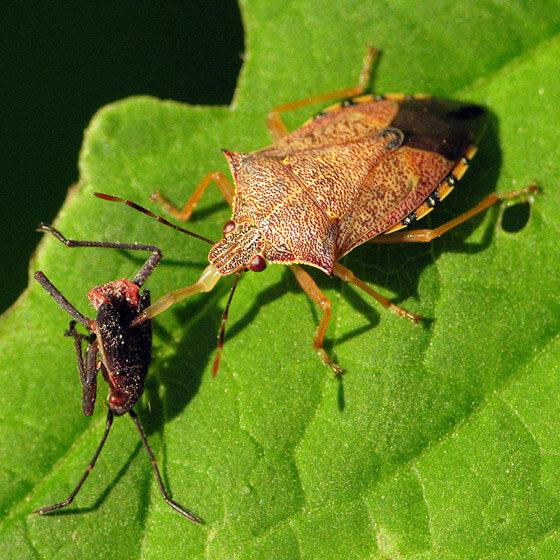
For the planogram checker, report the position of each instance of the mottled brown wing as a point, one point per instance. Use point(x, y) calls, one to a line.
point(395, 186)
point(334, 175)
point(437, 134)
point(334, 128)
point(349, 175)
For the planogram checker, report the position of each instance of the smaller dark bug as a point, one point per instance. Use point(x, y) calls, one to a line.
point(124, 352)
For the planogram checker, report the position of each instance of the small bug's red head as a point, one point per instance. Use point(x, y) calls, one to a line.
point(121, 290)
point(241, 247)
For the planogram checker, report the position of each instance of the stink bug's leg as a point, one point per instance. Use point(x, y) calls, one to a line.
point(219, 178)
point(222, 332)
point(53, 507)
point(278, 128)
point(88, 371)
point(174, 505)
point(425, 235)
point(60, 299)
point(312, 290)
point(348, 276)
point(144, 272)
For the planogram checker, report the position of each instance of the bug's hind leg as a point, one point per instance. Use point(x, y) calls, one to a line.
point(184, 214)
point(70, 499)
point(426, 235)
point(312, 290)
point(278, 128)
point(348, 276)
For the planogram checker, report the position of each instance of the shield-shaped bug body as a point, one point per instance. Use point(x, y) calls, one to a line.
point(359, 171)
point(124, 352)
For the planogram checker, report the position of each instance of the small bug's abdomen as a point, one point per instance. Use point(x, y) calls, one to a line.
point(126, 387)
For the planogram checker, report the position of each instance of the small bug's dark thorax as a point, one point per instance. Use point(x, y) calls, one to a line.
point(444, 127)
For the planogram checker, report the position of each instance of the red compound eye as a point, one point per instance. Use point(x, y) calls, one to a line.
point(229, 226)
point(257, 264)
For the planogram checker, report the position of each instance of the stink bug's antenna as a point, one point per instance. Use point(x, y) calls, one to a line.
point(222, 333)
point(151, 214)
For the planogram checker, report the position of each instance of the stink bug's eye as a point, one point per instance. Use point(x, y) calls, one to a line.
point(229, 226)
point(257, 264)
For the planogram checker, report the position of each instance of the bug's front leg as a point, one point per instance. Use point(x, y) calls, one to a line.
point(184, 214)
point(162, 488)
point(88, 370)
point(312, 290)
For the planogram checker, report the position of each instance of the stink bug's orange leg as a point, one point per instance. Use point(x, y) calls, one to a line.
point(218, 177)
point(348, 276)
point(313, 291)
point(425, 235)
point(278, 128)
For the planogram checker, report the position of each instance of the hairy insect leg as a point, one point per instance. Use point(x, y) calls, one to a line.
point(426, 235)
point(184, 214)
point(88, 371)
point(143, 273)
point(278, 128)
point(53, 507)
point(164, 494)
point(348, 276)
point(312, 290)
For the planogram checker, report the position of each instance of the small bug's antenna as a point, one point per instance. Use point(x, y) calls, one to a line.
point(222, 333)
point(151, 214)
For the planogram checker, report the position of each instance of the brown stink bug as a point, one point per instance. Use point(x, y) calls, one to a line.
point(359, 171)
point(124, 351)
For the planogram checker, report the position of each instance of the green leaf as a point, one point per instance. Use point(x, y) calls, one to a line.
point(440, 442)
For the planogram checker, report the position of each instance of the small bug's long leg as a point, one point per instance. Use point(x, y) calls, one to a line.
point(312, 290)
point(348, 276)
point(88, 371)
point(278, 128)
point(205, 283)
point(143, 273)
point(60, 299)
point(53, 507)
point(219, 178)
point(174, 505)
point(426, 235)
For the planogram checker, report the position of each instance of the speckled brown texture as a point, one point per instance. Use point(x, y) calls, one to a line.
point(344, 177)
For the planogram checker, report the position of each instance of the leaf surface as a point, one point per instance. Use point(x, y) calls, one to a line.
point(440, 441)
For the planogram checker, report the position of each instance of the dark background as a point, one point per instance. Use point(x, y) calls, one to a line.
point(60, 64)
